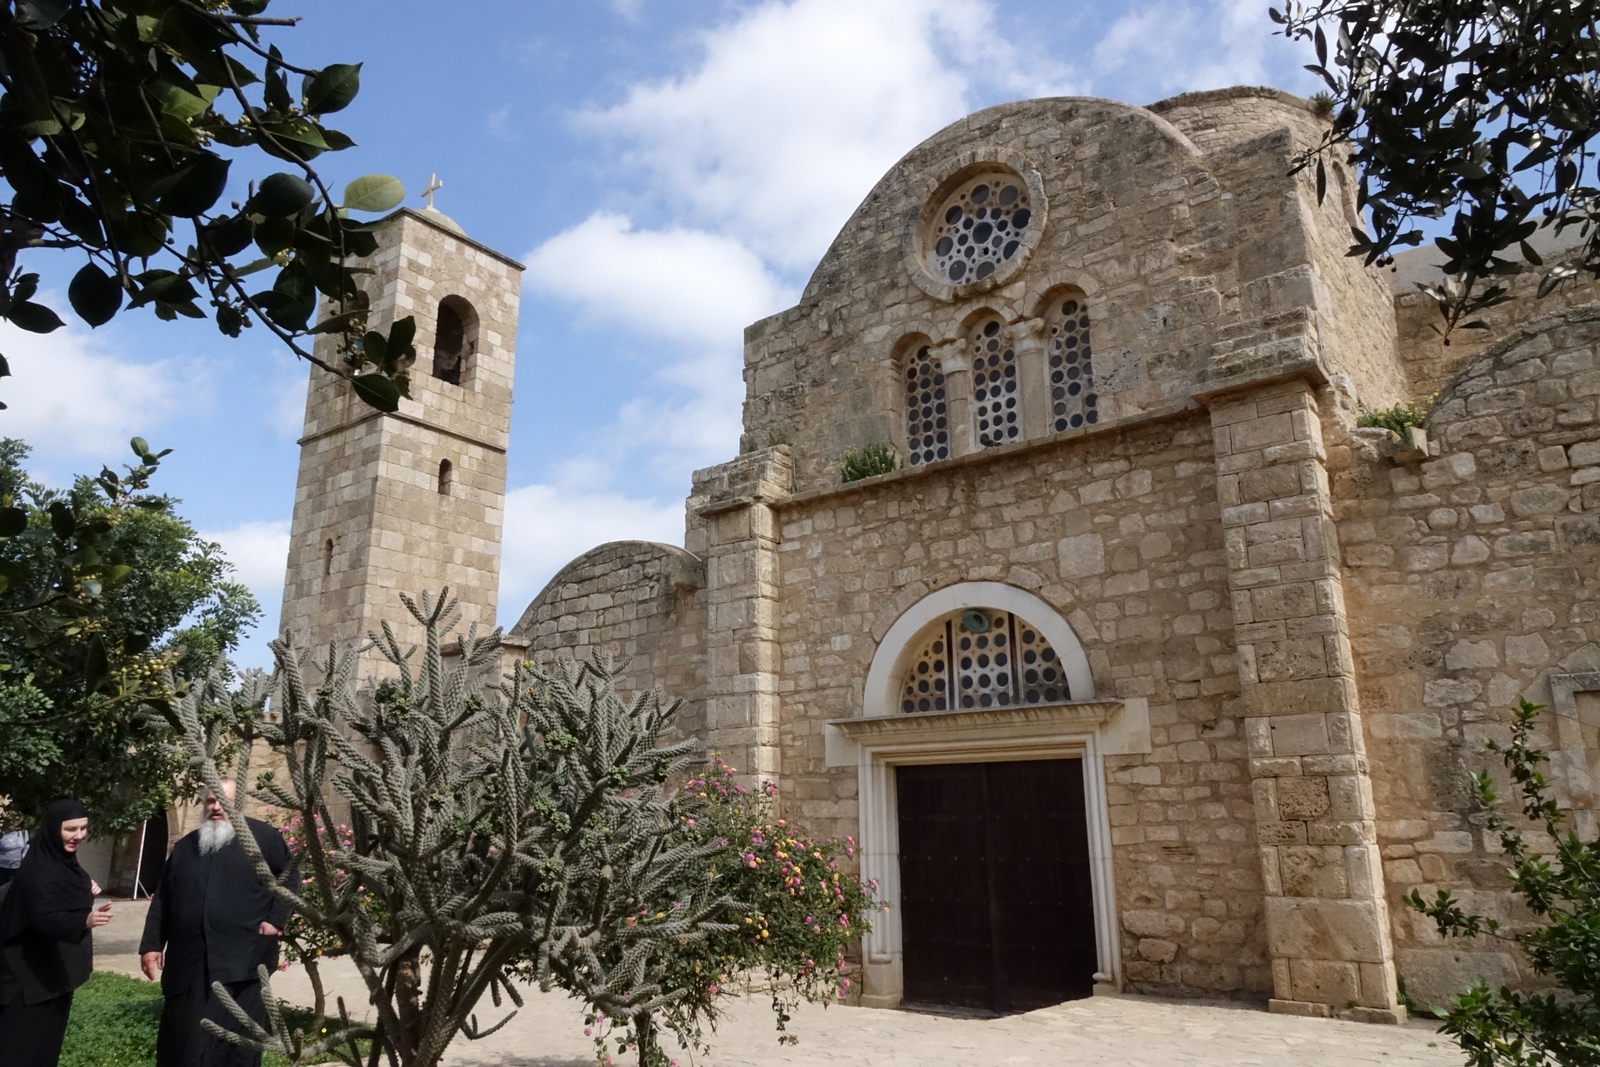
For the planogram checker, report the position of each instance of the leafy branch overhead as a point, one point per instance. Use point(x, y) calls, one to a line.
point(1480, 112)
point(120, 124)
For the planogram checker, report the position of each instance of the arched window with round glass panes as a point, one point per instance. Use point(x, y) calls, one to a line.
point(927, 409)
point(996, 390)
point(982, 658)
point(1070, 362)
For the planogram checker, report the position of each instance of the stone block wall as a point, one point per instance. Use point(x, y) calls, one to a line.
point(1119, 532)
point(1471, 577)
point(1200, 262)
point(373, 516)
point(642, 604)
point(1327, 927)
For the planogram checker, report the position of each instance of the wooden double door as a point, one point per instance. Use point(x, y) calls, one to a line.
point(997, 906)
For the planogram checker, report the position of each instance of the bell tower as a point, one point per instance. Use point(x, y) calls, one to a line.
point(415, 500)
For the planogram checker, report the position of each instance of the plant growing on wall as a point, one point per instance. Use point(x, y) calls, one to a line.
point(1398, 418)
point(1556, 876)
point(869, 460)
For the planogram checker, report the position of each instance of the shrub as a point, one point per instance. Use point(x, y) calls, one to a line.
point(873, 459)
point(1398, 418)
point(800, 911)
point(115, 1019)
point(1561, 890)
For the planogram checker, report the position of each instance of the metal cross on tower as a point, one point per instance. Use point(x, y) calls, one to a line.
point(434, 185)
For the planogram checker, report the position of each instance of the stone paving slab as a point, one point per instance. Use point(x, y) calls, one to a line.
point(1099, 1032)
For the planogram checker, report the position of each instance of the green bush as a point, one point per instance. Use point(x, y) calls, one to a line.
point(1398, 418)
point(799, 912)
point(113, 1023)
point(1556, 879)
point(115, 1019)
point(874, 459)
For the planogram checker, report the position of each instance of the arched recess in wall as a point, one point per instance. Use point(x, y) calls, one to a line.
point(1009, 612)
point(925, 402)
point(447, 477)
point(1074, 400)
point(455, 340)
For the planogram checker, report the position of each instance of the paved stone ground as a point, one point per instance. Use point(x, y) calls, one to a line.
point(1108, 1031)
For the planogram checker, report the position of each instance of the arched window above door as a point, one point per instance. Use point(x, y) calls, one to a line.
point(981, 658)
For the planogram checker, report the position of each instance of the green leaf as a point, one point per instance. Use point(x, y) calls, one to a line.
point(62, 521)
point(378, 390)
point(332, 88)
point(196, 187)
point(281, 194)
point(230, 236)
point(140, 446)
point(374, 347)
point(374, 192)
point(43, 13)
point(12, 521)
point(97, 665)
point(35, 318)
point(401, 335)
point(275, 234)
point(95, 295)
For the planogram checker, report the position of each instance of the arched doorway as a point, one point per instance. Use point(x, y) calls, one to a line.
point(983, 812)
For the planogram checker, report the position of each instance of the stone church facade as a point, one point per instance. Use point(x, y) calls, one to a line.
point(1147, 669)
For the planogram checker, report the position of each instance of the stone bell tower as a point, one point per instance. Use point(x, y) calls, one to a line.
point(415, 500)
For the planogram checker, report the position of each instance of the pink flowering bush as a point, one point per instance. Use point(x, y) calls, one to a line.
point(801, 909)
point(304, 943)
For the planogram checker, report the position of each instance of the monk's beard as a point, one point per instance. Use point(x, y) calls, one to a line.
point(214, 834)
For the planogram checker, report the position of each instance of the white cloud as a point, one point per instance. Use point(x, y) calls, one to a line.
point(259, 552)
point(681, 284)
point(547, 526)
point(72, 395)
point(799, 107)
point(1161, 49)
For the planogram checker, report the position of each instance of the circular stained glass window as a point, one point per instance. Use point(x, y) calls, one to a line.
point(979, 227)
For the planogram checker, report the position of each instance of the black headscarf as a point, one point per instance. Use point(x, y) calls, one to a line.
point(45, 948)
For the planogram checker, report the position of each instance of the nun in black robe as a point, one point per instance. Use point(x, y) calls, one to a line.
point(205, 917)
point(46, 948)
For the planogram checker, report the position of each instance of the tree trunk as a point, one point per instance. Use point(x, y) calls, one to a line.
point(408, 1006)
point(319, 999)
point(644, 1031)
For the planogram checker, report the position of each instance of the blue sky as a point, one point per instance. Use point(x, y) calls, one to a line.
point(670, 170)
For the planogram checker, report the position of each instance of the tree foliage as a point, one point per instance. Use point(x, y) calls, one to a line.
point(1556, 875)
point(1483, 113)
point(110, 603)
point(119, 127)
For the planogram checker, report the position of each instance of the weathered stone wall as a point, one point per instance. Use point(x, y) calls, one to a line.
point(1322, 637)
point(370, 483)
point(1427, 361)
point(1295, 251)
point(1119, 532)
point(1197, 270)
point(639, 602)
point(1469, 577)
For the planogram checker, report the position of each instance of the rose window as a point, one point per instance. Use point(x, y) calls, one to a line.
point(978, 228)
point(1073, 402)
point(997, 412)
point(927, 422)
point(983, 658)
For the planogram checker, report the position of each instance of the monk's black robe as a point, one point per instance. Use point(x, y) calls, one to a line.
point(206, 916)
